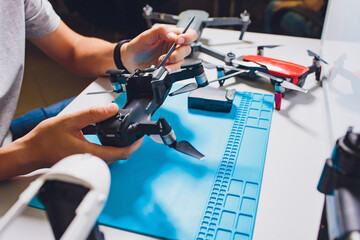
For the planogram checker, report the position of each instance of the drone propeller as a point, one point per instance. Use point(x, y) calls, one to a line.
point(156, 138)
point(209, 65)
point(268, 46)
point(187, 88)
point(316, 56)
point(282, 82)
point(193, 86)
point(186, 148)
point(167, 137)
point(182, 146)
point(102, 92)
point(213, 66)
point(260, 46)
point(228, 76)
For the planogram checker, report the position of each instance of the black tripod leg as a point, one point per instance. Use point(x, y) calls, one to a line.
point(323, 229)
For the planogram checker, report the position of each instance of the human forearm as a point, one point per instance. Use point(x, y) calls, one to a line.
point(83, 55)
point(16, 159)
point(93, 56)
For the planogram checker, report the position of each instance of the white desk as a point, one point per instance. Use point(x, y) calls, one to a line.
point(290, 206)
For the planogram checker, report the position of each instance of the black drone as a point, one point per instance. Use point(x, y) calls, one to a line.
point(202, 21)
point(146, 91)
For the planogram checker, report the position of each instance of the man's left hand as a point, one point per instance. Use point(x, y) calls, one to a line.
point(150, 47)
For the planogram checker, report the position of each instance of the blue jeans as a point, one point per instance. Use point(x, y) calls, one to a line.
point(25, 123)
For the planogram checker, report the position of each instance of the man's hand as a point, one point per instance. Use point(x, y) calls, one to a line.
point(150, 47)
point(59, 137)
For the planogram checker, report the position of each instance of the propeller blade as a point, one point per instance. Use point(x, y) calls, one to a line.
point(187, 148)
point(269, 76)
point(312, 54)
point(212, 66)
point(156, 138)
point(269, 46)
point(101, 92)
point(209, 65)
point(292, 86)
point(282, 82)
point(187, 88)
point(228, 76)
point(260, 46)
point(116, 72)
point(240, 58)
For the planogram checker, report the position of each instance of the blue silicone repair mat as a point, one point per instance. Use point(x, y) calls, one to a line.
point(162, 193)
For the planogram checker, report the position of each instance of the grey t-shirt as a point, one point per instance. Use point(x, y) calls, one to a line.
point(19, 19)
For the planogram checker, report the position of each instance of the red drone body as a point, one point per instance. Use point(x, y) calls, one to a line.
point(291, 72)
point(279, 68)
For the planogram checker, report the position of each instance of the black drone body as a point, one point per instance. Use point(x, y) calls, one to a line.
point(146, 91)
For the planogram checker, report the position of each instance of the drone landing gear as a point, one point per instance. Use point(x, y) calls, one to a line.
point(221, 73)
point(278, 97)
point(161, 132)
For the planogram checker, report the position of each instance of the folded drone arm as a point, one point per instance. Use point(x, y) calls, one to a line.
point(187, 71)
point(180, 75)
point(204, 49)
point(231, 21)
point(147, 128)
point(161, 17)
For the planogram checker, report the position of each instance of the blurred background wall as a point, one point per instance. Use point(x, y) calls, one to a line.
point(95, 17)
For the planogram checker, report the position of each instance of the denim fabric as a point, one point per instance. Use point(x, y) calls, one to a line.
point(25, 123)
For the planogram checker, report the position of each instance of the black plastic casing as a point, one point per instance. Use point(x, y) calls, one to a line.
point(211, 99)
point(340, 182)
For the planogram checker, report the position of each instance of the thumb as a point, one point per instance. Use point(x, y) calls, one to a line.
point(92, 115)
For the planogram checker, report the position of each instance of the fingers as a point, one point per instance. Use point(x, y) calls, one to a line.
point(174, 66)
point(91, 115)
point(178, 54)
point(169, 34)
point(182, 39)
